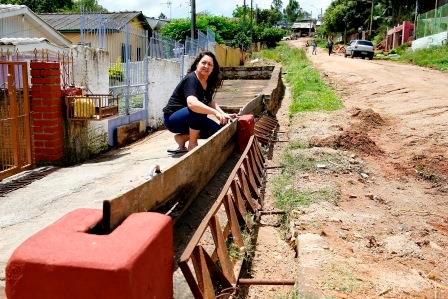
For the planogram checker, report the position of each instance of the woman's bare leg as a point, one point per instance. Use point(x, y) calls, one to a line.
point(181, 139)
point(193, 139)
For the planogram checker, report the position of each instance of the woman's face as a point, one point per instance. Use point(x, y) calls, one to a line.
point(205, 66)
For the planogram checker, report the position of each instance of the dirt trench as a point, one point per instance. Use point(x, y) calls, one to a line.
point(383, 230)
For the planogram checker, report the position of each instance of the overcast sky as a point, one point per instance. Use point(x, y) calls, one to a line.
point(181, 8)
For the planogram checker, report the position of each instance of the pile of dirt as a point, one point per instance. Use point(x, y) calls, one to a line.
point(368, 117)
point(355, 140)
point(431, 166)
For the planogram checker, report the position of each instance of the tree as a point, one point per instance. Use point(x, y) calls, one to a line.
point(293, 10)
point(162, 16)
point(43, 6)
point(238, 12)
point(88, 5)
point(224, 28)
point(277, 5)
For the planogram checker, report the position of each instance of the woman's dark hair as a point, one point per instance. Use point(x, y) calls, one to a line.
point(214, 81)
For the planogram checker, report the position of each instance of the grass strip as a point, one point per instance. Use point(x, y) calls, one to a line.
point(309, 91)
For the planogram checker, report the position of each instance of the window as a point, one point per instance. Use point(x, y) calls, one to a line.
point(139, 54)
point(365, 43)
point(123, 52)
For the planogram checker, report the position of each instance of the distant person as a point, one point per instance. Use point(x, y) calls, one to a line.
point(314, 45)
point(191, 102)
point(330, 46)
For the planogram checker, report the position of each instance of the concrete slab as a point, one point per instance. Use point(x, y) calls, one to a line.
point(234, 94)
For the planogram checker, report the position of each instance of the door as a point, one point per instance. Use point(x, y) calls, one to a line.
point(15, 131)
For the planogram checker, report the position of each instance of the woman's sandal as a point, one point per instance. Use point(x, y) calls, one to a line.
point(177, 150)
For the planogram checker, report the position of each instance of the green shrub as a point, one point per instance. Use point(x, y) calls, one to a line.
point(116, 70)
point(271, 36)
point(242, 41)
point(433, 57)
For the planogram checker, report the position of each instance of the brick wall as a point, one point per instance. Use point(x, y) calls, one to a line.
point(46, 111)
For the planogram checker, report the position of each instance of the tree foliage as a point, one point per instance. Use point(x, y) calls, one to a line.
point(50, 6)
point(293, 11)
point(43, 6)
point(349, 15)
point(224, 28)
point(87, 5)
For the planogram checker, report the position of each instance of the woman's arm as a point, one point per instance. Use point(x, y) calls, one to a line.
point(215, 105)
point(197, 106)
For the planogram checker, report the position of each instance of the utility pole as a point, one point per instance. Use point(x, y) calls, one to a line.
point(169, 4)
point(193, 19)
point(311, 20)
point(244, 16)
point(415, 19)
point(251, 19)
point(371, 20)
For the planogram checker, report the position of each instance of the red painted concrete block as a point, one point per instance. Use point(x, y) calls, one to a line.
point(246, 126)
point(65, 261)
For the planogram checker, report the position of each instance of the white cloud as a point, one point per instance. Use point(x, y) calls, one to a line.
point(181, 8)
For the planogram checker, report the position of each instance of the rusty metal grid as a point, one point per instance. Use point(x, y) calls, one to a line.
point(209, 268)
point(15, 134)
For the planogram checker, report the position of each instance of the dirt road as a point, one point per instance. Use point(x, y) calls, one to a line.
point(385, 155)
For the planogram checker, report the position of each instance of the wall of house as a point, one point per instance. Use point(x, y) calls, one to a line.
point(74, 37)
point(90, 69)
point(164, 75)
point(21, 27)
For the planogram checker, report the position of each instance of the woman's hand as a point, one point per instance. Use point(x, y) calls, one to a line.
point(222, 117)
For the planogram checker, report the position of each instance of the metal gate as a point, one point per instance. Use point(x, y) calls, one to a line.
point(15, 134)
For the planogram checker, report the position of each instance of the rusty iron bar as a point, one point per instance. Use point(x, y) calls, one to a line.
point(275, 167)
point(238, 196)
point(274, 212)
point(253, 281)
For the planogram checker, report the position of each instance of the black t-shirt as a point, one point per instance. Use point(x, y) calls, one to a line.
point(189, 86)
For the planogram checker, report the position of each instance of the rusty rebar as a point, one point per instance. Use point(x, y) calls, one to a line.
point(253, 281)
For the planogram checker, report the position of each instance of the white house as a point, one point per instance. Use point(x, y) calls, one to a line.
point(22, 27)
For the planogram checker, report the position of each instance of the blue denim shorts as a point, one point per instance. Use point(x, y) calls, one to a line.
point(182, 120)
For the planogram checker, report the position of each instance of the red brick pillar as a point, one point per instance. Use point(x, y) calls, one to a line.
point(46, 108)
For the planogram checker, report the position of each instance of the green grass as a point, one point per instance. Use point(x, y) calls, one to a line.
point(289, 197)
point(434, 57)
point(309, 91)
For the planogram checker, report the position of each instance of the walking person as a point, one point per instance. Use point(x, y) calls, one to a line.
point(330, 46)
point(191, 102)
point(314, 45)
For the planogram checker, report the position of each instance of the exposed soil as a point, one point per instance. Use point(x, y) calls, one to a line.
point(356, 140)
point(384, 233)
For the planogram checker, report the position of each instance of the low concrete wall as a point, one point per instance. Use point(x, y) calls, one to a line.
point(90, 69)
point(270, 99)
point(183, 181)
point(164, 75)
point(428, 41)
point(256, 106)
point(245, 73)
point(274, 91)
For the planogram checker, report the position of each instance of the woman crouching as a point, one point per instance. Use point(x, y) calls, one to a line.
point(191, 102)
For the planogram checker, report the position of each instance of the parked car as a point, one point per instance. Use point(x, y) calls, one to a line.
point(361, 48)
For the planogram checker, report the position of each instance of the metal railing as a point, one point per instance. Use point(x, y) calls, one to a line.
point(165, 48)
point(432, 22)
point(212, 269)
